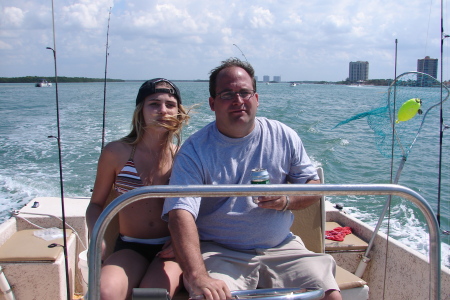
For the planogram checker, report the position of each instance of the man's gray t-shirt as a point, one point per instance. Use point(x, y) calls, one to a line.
point(209, 157)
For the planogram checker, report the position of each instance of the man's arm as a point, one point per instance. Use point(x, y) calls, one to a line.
point(295, 202)
point(301, 202)
point(186, 244)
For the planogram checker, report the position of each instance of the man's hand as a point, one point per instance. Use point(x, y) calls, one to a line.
point(166, 251)
point(273, 202)
point(186, 243)
point(209, 288)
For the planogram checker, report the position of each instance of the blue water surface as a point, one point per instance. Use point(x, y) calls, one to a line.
point(29, 165)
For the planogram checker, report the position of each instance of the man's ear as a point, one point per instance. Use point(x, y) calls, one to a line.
point(211, 103)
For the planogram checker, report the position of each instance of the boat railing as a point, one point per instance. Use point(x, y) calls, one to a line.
point(166, 191)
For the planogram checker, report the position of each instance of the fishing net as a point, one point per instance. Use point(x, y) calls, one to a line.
point(397, 121)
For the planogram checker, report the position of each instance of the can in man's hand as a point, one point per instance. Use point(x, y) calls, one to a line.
point(259, 176)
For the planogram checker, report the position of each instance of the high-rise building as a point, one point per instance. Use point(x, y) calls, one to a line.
point(277, 78)
point(358, 71)
point(429, 66)
point(266, 78)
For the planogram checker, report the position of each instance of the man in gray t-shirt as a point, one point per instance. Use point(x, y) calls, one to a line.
point(232, 243)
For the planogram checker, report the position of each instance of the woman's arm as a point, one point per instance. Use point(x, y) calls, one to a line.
point(110, 158)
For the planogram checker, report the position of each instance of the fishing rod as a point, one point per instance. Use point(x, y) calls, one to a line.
point(241, 52)
point(104, 88)
point(441, 123)
point(393, 123)
point(365, 258)
point(363, 263)
point(58, 139)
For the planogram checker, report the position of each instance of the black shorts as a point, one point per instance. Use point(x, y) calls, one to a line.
point(146, 250)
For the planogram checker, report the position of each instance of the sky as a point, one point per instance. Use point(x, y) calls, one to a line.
point(298, 40)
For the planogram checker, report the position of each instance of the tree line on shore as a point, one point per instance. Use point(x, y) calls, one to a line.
point(377, 82)
point(34, 79)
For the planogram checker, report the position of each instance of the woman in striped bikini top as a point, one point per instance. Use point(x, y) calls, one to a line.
point(143, 157)
point(128, 178)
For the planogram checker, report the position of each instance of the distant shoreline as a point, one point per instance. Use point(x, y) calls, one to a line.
point(63, 79)
point(35, 79)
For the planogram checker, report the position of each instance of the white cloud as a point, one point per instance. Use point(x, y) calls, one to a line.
point(5, 46)
point(261, 17)
point(178, 39)
point(85, 14)
point(12, 17)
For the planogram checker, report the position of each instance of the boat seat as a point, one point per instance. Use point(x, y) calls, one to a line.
point(351, 242)
point(24, 246)
point(352, 287)
point(347, 280)
point(26, 258)
point(309, 224)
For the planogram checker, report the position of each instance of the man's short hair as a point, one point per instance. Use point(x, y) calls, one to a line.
point(231, 62)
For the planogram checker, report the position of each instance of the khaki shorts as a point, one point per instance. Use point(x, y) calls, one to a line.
point(288, 265)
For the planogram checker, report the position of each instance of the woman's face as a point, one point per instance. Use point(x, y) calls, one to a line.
point(157, 107)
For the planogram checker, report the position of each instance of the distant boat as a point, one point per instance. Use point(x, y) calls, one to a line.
point(293, 84)
point(43, 83)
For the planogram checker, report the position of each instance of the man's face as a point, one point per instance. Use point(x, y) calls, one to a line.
point(235, 117)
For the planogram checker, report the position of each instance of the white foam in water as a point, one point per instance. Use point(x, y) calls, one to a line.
point(13, 195)
point(418, 241)
point(344, 142)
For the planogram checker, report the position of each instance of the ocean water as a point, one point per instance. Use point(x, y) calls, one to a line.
point(29, 165)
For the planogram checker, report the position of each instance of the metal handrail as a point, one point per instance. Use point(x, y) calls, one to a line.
point(166, 191)
point(279, 294)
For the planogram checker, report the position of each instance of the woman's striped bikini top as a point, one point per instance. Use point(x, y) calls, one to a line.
point(128, 178)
